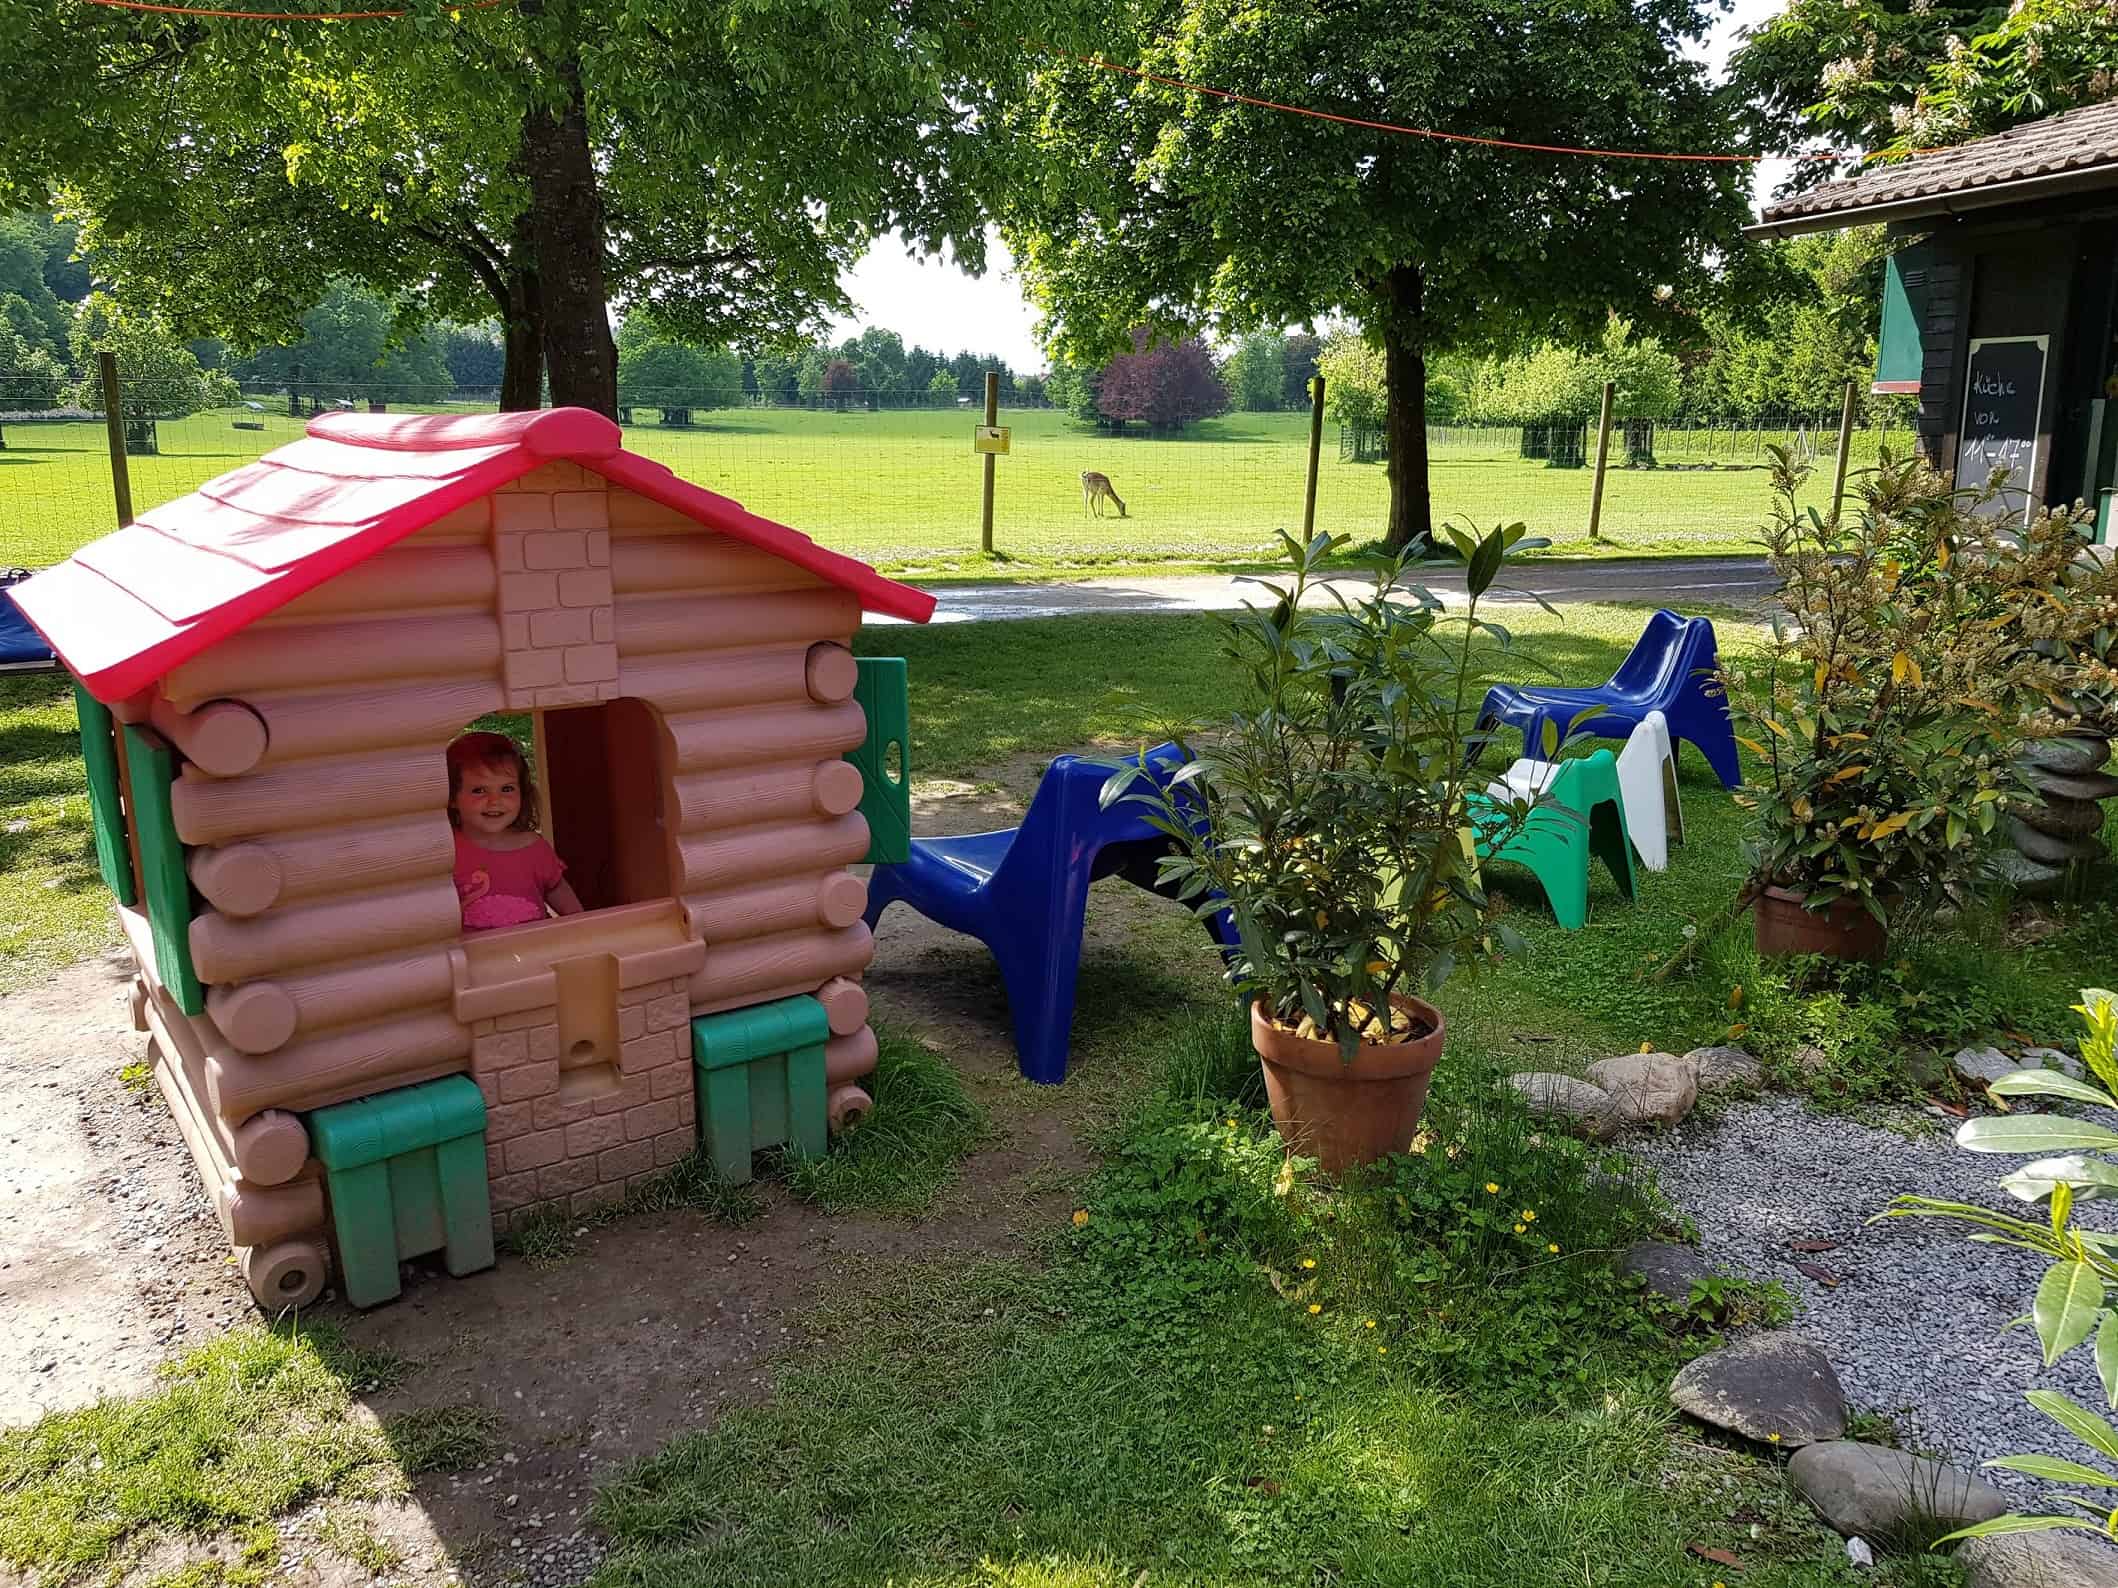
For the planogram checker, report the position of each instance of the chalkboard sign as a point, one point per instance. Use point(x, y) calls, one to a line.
point(2003, 402)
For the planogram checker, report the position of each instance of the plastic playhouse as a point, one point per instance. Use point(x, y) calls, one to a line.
point(269, 671)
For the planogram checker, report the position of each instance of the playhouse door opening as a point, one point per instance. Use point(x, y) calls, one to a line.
point(602, 777)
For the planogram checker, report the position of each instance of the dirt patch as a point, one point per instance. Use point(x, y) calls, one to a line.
point(112, 1261)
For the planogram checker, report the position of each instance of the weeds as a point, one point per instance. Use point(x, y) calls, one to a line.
point(908, 1146)
point(444, 1438)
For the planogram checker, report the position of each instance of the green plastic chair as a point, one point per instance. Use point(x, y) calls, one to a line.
point(1581, 814)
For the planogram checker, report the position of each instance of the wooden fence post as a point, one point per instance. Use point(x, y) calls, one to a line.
point(992, 417)
point(114, 425)
point(1838, 481)
point(1603, 458)
point(1316, 445)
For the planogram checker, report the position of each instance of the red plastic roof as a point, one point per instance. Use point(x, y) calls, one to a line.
point(122, 611)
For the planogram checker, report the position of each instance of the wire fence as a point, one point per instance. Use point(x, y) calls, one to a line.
point(900, 486)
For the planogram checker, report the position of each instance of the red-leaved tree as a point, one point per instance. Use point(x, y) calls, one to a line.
point(841, 382)
point(1166, 386)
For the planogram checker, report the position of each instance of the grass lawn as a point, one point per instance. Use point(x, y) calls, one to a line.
point(901, 488)
point(1214, 1373)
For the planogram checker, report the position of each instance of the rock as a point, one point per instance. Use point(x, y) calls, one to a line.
point(2070, 755)
point(1771, 1384)
point(2063, 818)
point(2052, 851)
point(1988, 1064)
point(2038, 1560)
point(1562, 1096)
point(1882, 1493)
point(1647, 1088)
point(1667, 1268)
point(2050, 1059)
point(2080, 786)
point(2032, 879)
point(1724, 1069)
point(1809, 1058)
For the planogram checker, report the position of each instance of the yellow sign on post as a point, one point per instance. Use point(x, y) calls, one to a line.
point(990, 438)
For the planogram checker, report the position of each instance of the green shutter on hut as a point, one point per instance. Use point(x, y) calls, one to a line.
point(99, 753)
point(1901, 355)
point(885, 758)
point(151, 767)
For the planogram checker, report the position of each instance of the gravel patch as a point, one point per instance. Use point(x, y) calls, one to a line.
point(1914, 1324)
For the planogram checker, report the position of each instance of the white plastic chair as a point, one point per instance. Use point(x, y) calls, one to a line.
point(1647, 784)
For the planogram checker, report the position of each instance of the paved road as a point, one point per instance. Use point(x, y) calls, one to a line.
point(1685, 582)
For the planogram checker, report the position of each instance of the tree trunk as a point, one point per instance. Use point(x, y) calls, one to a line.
point(566, 221)
point(522, 326)
point(1405, 424)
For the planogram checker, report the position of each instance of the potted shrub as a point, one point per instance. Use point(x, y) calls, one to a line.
point(1913, 651)
point(1331, 817)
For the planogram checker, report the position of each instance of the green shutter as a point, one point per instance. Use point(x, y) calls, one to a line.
point(884, 694)
point(151, 767)
point(99, 752)
point(1901, 357)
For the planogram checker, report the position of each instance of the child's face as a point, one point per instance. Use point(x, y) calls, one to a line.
point(488, 800)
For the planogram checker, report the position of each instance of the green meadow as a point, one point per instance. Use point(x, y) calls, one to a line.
point(901, 488)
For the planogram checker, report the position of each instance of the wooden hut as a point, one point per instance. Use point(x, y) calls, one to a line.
point(2000, 303)
point(269, 671)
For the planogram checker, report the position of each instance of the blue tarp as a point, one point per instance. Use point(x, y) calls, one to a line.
point(20, 645)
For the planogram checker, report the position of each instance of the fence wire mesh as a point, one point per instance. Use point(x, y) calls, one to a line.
point(899, 486)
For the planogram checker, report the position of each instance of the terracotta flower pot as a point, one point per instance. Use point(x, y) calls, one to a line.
point(1843, 929)
point(1341, 1113)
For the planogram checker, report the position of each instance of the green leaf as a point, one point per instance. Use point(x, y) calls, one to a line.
point(2090, 1177)
point(2107, 1356)
point(2069, 1298)
point(2000, 1526)
point(2050, 1083)
point(1485, 564)
point(2033, 1133)
point(2054, 1470)
point(2085, 1426)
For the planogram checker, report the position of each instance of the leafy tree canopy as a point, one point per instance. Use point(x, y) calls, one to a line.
point(30, 377)
point(43, 321)
point(1163, 384)
point(1897, 75)
point(1810, 328)
point(660, 369)
point(158, 378)
point(1555, 382)
point(1355, 392)
point(1180, 212)
point(1256, 374)
point(354, 339)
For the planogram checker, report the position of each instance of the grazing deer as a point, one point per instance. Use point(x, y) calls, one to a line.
point(1094, 488)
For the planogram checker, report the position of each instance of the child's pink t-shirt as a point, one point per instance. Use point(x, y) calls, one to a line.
point(504, 887)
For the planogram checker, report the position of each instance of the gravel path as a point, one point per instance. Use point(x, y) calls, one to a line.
point(1914, 1324)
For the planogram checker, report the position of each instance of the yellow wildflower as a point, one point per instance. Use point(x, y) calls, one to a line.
point(1309, 1262)
point(1382, 1350)
point(1529, 1215)
point(1369, 1324)
point(1520, 1228)
point(1553, 1248)
point(1316, 1307)
point(1773, 1438)
point(1492, 1188)
point(1080, 1217)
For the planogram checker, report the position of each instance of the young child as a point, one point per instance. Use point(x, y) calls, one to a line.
point(506, 873)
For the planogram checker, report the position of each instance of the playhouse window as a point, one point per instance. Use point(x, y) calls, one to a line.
point(598, 771)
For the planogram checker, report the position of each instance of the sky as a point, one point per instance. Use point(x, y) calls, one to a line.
point(933, 303)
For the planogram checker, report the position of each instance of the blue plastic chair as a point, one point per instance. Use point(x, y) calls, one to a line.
point(1670, 670)
point(1023, 892)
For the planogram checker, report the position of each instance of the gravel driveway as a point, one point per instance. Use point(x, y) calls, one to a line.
point(1914, 1324)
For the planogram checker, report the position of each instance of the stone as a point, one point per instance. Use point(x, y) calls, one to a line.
point(2038, 1560)
point(2070, 754)
point(1987, 1064)
point(1724, 1069)
point(1562, 1096)
point(2032, 879)
point(1647, 1088)
point(1773, 1383)
point(2051, 1059)
point(1809, 1058)
point(2052, 851)
point(1666, 1268)
point(1878, 1492)
point(2063, 818)
point(2078, 786)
